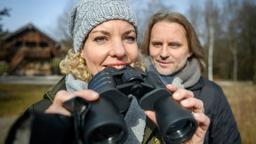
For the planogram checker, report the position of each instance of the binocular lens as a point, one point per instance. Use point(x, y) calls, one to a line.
point(107, 134)
point(180, 131)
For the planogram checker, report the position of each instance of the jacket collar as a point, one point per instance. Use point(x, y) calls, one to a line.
point(50, 94)
point(199, 85)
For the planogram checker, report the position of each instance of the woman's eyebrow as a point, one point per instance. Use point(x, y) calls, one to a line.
point(101, 31)
point(130, 31)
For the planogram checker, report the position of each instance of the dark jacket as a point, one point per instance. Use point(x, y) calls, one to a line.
point(222, 129)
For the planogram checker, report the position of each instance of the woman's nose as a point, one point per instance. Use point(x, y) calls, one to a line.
point(118, 49)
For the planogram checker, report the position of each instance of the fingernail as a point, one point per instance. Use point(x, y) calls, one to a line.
point(94, 94)
point(176, 95)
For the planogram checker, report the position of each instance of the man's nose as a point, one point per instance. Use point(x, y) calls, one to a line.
point(164, 54)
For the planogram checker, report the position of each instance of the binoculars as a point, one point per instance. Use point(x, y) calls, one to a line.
point(104, 120)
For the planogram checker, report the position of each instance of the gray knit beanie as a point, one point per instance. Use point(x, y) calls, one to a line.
point(87, 14)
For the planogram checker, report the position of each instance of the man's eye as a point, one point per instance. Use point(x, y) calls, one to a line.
point(156, 44)
point(174, 44)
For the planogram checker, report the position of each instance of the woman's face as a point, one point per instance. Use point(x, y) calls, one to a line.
point(168, 47)
point(110, 44)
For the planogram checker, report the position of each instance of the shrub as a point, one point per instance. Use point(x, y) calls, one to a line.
point(55, 65)
point(3, 67)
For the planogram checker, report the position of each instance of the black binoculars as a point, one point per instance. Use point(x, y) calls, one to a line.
point(104, 120)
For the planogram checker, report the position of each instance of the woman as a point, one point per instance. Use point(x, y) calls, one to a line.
point(104, 35)
point(177, 56)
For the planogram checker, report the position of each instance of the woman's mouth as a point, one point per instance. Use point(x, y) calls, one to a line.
point(118, 65)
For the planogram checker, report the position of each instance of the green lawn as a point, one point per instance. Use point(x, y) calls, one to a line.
point(15, 98)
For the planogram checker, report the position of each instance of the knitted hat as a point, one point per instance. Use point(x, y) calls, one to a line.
point(87, 14)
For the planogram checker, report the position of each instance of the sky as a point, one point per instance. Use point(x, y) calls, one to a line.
point(44, 13)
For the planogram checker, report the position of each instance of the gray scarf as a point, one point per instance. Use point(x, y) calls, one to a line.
point(135, 117)
point(184, 78)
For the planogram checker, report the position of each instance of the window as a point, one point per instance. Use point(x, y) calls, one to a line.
point(43, 44)
point(30, 44)
point(18, 44)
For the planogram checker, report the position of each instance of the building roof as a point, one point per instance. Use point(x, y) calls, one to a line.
point(28, 26)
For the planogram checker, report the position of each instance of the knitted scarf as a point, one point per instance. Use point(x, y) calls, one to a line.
point(184, 78)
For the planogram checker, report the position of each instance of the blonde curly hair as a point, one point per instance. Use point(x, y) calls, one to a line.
point(75, 64)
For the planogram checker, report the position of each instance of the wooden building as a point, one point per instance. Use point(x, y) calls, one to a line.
point(29, 51)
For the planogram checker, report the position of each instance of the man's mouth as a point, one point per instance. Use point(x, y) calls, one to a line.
point(163, 63)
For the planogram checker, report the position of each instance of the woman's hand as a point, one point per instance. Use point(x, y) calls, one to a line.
point(187, 100)
point(62, 96)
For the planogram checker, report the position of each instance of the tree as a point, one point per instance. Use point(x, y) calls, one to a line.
point(196, 14)
point(232, 29)
point(231, 37)
point(211, 20)
point(3, 12)
point(206, 23)
point(143, 10)
point(62, 30)
point(247, 40)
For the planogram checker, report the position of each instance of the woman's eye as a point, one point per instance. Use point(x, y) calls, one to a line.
point(100, 39)
point(130, 39)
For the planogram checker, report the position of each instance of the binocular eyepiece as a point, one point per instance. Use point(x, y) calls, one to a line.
point(104, 121)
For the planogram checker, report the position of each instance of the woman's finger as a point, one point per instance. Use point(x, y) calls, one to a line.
point(57, 105)
point(151, 115)
point(62, 96)
point(88, 95)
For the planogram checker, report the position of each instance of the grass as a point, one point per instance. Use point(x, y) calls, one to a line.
point(14, 99)
point(242, 99)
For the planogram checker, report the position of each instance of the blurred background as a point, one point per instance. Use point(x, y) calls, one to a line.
point(34, 38)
